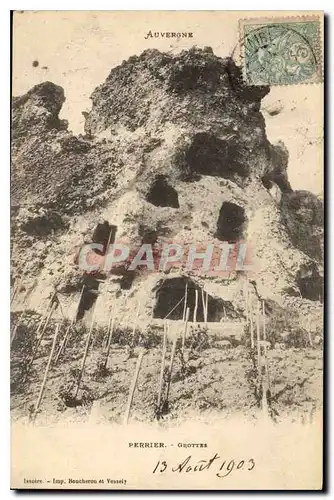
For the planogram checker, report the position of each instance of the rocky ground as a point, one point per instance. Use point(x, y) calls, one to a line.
point(212, 377)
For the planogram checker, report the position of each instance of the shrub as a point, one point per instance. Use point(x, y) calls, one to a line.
point(283, 326)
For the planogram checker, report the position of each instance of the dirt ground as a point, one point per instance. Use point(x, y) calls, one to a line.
point(213, 377)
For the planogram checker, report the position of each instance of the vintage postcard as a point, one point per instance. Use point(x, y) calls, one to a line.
point(167, 250)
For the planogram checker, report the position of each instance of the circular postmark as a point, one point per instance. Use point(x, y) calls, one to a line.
point(278, 54)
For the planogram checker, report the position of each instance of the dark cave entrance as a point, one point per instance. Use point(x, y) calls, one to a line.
point(279, 179)
point(231, 222)
point(172, 291)
point(126, 280)
point(310, 283)
point(148, 235)
point(267, 182)
point(209, 155)
point(161, 194)
point(101, 235)
point(44, 225)
point(89, 295)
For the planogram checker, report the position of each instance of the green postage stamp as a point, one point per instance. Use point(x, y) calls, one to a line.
point(282, 51)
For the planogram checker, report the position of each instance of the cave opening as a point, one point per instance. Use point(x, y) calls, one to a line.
point(310, 283)
point(148, 235)
point(169, 298)
point(161, 194)
point(89, 295)
point(278, 178)
point(101, 235)
point(231, 222)
point(127, 280)
point(209, 155)
point(44, 225)
point(267, 182)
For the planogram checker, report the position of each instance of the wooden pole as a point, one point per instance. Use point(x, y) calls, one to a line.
point(264, 321)
point(106, 252)
point(266, 380)
point(51, 301)
point(162, 370)
point(258, 336)
point(265, 383)
point(41, 322)
point(310, 338)
point(85, 354)
point(13, 292)
point(264, 402)
point(62, 345)
point(309, 333)
point(60, 306)
point(184, 334)
point(15, 287)
point(108, 329)
point(110, 332)
point(44, 315)
point(246, 300)
point(173, 309)
point(267, 371)
point(53, 307)
point(135, 321)
point(39, 340)
point(64, 342)
point(251, 325)
point(171, 367)
point(204, 306)
point(41, 392)
point(133, 387)
point(185, 302)
point(196, 306)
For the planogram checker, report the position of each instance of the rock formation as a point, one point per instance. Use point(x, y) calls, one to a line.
point(175, 149)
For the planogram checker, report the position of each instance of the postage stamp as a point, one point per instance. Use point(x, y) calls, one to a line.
point(282, 51)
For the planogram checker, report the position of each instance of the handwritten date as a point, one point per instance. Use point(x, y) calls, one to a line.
point(222, 468)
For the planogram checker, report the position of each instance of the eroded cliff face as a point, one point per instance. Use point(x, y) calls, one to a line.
point(175, 148)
